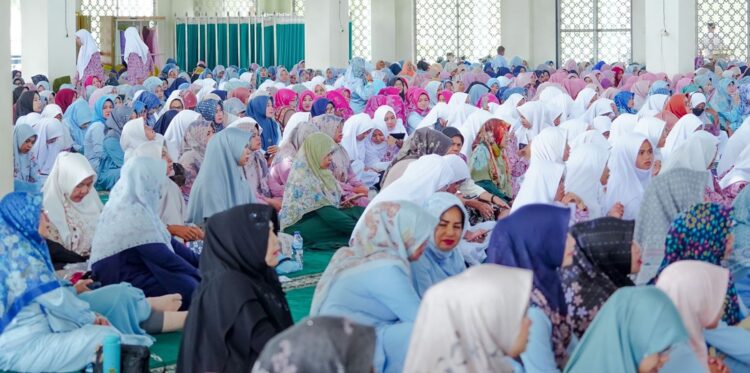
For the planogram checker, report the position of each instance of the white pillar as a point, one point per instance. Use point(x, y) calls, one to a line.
point(383, 30)
point(670, 36)
point(6, 140)
point(48, 39)
point(404, 36)
point(528, 30)
point(639, 30)
point(544, 32)
point(326, 33)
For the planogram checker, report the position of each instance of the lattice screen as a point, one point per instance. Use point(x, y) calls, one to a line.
point(360, 13)
point(469, 28)
point(731, 19)
point(593, 30)
point(298, 7)
point(116, 8)
point(222, 7)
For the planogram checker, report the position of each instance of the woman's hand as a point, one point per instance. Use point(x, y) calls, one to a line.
point(717, 366)
point(572, 198)
point(101, 320)
point(483, 208)
point(476, 236)
point(187, 233)
point(617, 211)
point(82, 286)
point(361, 190)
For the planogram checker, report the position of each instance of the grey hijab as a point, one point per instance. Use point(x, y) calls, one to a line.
point(116, 121)
point(666, 196)
point(319, 344)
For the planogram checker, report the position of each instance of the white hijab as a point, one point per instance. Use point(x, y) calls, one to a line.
point(175, 95)
point(654, 102)
point(75, 222)
point(459, 109)
point(354, 126)
point(696, 153)
point(175, 133)
point(736, 145)
point(45, 153)
point(540, 184)
point(582, 102)
point(549, 145)
point(88, 48)
point(467, 324)
point(574, 128)
point(374, 153)
point(623, 124)
point(133, 135)
point(602, 106)
point(536, 113)
point(439, 111)
point(583, 174)
point(603, 124)
point(626, 183)
point(471, 127)
point(134, 44)
point(590, 137)
point(684, 127)
point(740, 170)
point(508, 108)
point(652, 127)
point(380, 114)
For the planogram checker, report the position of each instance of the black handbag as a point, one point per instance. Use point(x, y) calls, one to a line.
point(133, 359)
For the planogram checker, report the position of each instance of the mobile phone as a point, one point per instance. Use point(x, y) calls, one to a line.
point(521, 146)
point(398, 136)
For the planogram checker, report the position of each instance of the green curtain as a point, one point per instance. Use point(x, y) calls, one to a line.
point(350, 41)
point(221, 43)
point(268, 59)
point(187, 61)
point(290, 43)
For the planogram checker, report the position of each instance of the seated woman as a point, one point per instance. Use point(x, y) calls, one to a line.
point(631, 161)
point(256, 170)
point(260, 108)
point(587, 175)
point(221, 183)
point(515, 243)
point(282, 161)
point(197, 137)
point(93, 140)
point(489, 168)
point(357, 130)
point(131, 244)
point(633, 332)
point(376, 148)
point(341, 167)
point(396, 133)
point(737, 178)
point(424, 141)
point(447, 339)
point(114, 156)
point(338, 342)
point(369, 281)
point(239, 306)
point(312, 202)
point(44, 326)
point(212, 111)
point(417, 107)
point(50, 139)
point(25, 170)
point(697, 290)
point(441, 258)
point(605, 256)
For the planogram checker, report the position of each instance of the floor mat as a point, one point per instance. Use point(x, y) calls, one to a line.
point(166, 349)
point(299, 302)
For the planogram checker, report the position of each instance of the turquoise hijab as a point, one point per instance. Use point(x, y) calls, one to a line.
point(220, 184)
point(77, 115)
point(634, 323)
point(99, 108)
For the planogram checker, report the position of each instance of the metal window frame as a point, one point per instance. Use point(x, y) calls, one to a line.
point(595, 30)
point(747, 29)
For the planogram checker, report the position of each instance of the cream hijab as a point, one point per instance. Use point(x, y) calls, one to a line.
point(75, 222)
point(696, 153)
point(467, 324)
point(584, 170)
point(134, 44)
point(175, 133)
point(549, 145)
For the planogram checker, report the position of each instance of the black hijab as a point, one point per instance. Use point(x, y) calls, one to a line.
point(17, 92)
point(601, 265)
point(174, 86)
point(163, 123)
point(25, 103)
point(239, 304)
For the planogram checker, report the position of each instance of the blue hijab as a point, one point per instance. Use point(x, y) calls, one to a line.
point(658, 88)
point(503, 71)
point(220, 184)
point(436, 265)
point(621, 100)
point(175, 86)
point(222, 94)
point(539, 247)
point(26, 270)
point(599, 65)
point(510, 91)
point(517, 69)
point(256, 109)
point(150, 100)
point(207, 109)
point(163, 123)
point(99, 108)
point(78, 114)
point(319, 107)
point(395, 68)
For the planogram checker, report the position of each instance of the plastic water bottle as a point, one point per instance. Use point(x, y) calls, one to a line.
point(111, 349)
point(297, 249)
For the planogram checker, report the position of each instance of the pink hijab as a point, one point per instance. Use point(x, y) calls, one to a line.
point(574, 86)
point(412, 98)
point(283, 97)
point(340, 104)
point(490, 99)
point(302, 96)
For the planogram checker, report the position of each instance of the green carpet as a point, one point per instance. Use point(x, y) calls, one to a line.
point(315, 261)
point(299, 302)
point(166, 348)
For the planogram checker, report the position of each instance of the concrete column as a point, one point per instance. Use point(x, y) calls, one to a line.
point(405, 36)
point(326, 33)
point(383, 30)
point(544, 32)
point(670, 35)
point(48, 41)
point(528, 30)
point(6, 140)
point(639, 30)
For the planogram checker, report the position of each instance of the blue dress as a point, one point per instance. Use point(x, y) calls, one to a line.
point(539, 356)
point(153, 268)
point(435, 266)
point(93, 144)
point(123, 305)
point(381, 297)
point(110, 164)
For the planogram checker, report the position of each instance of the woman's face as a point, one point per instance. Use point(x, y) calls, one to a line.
point(283, 75)
point(320, 90)
point(456, 144)
point(325, 162)
point(293, 79)
point(441, 98)
point(307, 102)
point(273, 249)
point(107, 108)
point(329, 74)
point(377, 137)
point(399, 84)
point(150, 134)
point(176, 105)
point(27, 145)
point(293, 103)
point(522, 339)
point(269, 109)
point(390, 120)
point(97, 83)
point(219, 116)
point(245, 157)
point(731, 89)
point(645, 158)
point(82, 189)
point(423, 103)
point(255, 143)
point(631, 103)
point(36, 104)
point(449, 229)
point(635, 258)
point(347, 95)
point(330, 109)
point(339, 134)
point(460, 87)
point(570, 249)
point(159, 91)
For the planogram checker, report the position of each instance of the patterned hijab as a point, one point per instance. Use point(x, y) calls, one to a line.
point(740, 258)
point(24, 164)
point(601, 265)
point(700, 233)
point(387, 234)
point(491, 156)
point(309, 187)
point(340, 161)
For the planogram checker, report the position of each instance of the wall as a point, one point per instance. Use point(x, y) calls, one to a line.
point(405, 40)
point(529, 30)
point(674, 51)
point(6, 140)
point(48, 42)
point(383, 30)
point(326, 33)
point(639, 30)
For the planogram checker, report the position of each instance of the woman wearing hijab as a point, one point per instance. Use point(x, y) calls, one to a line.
point(152, 106)
point(285, 105)
point(220, 183)
point(737, 178)
point(212, 111)
point(424, 141)
point(134, 134)
point(137, 56)
point(633, 332)
point(739, 260)
point(385, 240)
point(26, 176)
point(605, 256)
point(417, 108)
point(630, 163)
point(44, 326)
point(698, 153)
point(239, 305)
point(516, 244)
point(725, 102)
point(131, 244)
point(312, 203)
point(341, 106)
point(680, 132)
point(50, 139)
point(77, 118)
point(261, 110)
point(319, 344)
point(174, 135)
point(93, 141)
point(625, 102)
point(489, 168)
point(196, 139)
point(281, 165)
point(64, 98)
point(256, 170)
point(114, 156)
point(28, 105)
point(89, 58)
point(445, 339)
point(396, 132)
point(306, 99)
point(441, 258)
point(359, 82)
